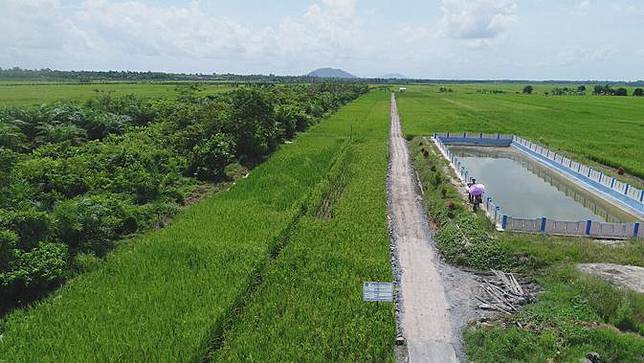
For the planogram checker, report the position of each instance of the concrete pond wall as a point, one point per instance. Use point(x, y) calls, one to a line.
point(532, 189)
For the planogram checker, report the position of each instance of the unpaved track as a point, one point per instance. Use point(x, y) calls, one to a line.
point(424, 320)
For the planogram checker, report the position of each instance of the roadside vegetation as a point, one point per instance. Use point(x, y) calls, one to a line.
point(188, 290)
point(574, 315)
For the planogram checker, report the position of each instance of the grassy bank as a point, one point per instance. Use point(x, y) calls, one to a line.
point(576, 314)
point(309, 306)
point(167, 293)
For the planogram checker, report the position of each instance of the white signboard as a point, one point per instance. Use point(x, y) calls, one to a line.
point(377, 291)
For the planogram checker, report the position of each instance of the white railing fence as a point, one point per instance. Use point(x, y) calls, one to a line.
point(588, 228)
point(626, 189)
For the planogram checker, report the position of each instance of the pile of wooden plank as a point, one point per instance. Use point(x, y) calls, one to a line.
point(503, 292)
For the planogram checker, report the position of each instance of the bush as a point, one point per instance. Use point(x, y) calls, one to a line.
point(8, 242)
point(464, 242)
point(252, 124)
point(31, 227)
point(91, 223)
point(31, 273)
point(8, 159)
point(287, 120)
point(210, 158)
point(64, 177)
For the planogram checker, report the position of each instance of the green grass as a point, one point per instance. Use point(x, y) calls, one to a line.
point(592, 129)
point(30, 94)
point(164, 295)
point(309, 307)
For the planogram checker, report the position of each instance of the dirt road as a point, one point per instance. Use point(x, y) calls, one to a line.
point(425, 316)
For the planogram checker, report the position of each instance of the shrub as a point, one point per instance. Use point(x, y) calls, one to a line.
point(210, 158)
point(65, 177)
point(8, 159)
point(90, 223)
point(464, 242)
point(287, 118)
point(8, 242)
point(31, 226)
point(31, 273)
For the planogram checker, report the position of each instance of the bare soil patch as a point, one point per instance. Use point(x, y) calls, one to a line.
point(625, 276)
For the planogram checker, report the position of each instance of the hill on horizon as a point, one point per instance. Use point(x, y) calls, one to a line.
point(331, 73)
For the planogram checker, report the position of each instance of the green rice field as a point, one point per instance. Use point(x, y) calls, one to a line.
point(23, 93)
point(593, 129)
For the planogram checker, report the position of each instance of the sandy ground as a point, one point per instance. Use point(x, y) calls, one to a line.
point(630, 277)
point(424, 308)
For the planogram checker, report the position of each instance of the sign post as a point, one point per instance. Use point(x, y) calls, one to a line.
point(377, 291)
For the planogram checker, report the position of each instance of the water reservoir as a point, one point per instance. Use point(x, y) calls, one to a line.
point(526, 189)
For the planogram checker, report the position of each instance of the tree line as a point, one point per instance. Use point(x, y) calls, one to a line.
point(75, 178)
point(598, 90)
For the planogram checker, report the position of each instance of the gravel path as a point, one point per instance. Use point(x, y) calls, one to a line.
point(425, 310)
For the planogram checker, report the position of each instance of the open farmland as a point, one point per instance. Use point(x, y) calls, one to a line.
point(172, 294)
point(24, 93)
point(593, 129)
point(575, 314)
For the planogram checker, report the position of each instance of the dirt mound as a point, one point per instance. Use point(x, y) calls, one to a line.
point(630, 277)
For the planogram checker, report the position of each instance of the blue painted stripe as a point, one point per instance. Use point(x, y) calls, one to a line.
point(475, 141)
point(636, 229)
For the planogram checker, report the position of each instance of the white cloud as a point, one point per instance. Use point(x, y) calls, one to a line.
point(136, 28)
point(583, 4)
point(108, 30)
point(575, 56)
point(457, 38)
point(477, 19)
point(34, 25)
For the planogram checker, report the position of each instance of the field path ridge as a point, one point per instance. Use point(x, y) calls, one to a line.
point(425, 319)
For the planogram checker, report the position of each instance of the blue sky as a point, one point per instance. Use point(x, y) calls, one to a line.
point(460, 39)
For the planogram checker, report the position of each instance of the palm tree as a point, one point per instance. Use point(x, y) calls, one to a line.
point(49, 133)
point(11, 137)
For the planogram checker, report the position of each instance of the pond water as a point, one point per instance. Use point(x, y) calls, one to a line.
point(526, 189)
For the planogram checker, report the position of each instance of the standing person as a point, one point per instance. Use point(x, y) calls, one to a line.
point(477, 201)
point(476, 194)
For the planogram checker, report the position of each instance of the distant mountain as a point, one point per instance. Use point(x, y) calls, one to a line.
point(331, 73)
point(393, 76)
